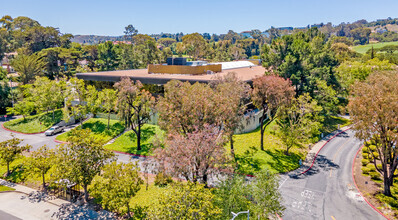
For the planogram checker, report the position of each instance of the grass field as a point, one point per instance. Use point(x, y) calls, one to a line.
point(35, 123)
point(6, 188)
point(363, 48)
point(128, 141)
point(98, 127)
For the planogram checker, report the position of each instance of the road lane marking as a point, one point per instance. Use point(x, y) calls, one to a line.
point(335, 154)
point(283, 182)
point(333, 217)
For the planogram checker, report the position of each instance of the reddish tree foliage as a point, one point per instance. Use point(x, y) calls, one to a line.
point(195, 156)
point(270, 92)
point(373, 109)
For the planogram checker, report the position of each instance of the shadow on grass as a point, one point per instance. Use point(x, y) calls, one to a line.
point(99, 127)
point(45, 118)
point(246, 162)
point(17, 174)
point(146, 146)
point(282, 162)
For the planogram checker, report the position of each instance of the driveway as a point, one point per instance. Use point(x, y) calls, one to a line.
point(327, 190)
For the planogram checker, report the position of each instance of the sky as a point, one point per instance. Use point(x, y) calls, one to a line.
point(100, 17)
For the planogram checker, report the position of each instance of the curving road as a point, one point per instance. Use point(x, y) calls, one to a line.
point(327, 190)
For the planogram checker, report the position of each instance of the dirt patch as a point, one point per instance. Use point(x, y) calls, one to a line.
point(370, 189)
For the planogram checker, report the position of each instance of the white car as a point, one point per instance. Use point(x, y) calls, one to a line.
point(53, 130)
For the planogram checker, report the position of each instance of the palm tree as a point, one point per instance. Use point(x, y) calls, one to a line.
point(28, 67)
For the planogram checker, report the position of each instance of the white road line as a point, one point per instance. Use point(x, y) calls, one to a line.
point(283, 182)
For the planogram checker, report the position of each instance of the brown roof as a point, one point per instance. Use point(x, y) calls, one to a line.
point(246, 74)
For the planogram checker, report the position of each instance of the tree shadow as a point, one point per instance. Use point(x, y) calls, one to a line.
point(246, 162)
point(73, 211)
point(281, 162)
point(147, 133)
point(321, 163)
point(17, 174)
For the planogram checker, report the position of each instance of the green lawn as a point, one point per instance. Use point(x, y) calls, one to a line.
point(35, 123)
point(364, 48)
point(6, 188)
point(128, 141)
point(98, 127)
point(252, 159)
point(146, 197)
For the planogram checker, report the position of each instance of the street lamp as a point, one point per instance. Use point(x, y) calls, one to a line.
point(244, 212)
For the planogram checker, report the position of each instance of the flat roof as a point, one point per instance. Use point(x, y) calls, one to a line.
point(246, 74)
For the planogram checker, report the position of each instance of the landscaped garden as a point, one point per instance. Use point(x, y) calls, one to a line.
point(98, 127)
point(35, 123)
point(128, 141)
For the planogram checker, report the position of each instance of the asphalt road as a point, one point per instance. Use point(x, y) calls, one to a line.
point(327, 190)
point(4, 215)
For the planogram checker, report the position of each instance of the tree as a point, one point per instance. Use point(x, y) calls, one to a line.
point(167, 42)
point(194, 157)
point(299, 121)
point(40, 162)
point(186, 108)
point(108, 98)
point(361, 34)
point(188, 201)
point(28, 66)
point(107, 56)
point(48, 94)
point(130, 32)
point(267, 200)
point(373, 108)
point(24, 108)
point(269, 93)
point(11, 150)
point(194, 45)
point(232, 96)
point(135, 105)
point(232, 195)
point(116, 185)
point(81, 159)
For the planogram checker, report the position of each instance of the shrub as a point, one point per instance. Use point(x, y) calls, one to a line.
point(372, 148)
point(376, 155)
point(365, 150)
point(374, 175)
point(365, 155)
point(380, 166)
point(371, 167)
point(365, 170)
point(162, 179)
point(365, 162)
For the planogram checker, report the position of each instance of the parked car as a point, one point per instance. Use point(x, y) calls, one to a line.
point(53, 130)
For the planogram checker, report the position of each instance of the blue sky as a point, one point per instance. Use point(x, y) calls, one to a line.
point(102, 17)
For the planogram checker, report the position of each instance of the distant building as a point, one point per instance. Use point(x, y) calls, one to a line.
point(246, 34)
point(5, 62)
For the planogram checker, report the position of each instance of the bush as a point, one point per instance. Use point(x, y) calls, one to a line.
point(162, 179)
point(371, 167)
point(373, 148)
point(365, 150)
point(365, 162)
point(365, 155)
point(365, 170)
point(374, 175)
point(379, 166)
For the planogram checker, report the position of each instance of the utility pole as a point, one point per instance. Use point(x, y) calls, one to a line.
point(244, 212)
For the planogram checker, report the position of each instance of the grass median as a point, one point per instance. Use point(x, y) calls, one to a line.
point(35, 123)
point(98, 127)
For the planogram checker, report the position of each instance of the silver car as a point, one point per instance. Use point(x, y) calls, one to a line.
point(53, 130)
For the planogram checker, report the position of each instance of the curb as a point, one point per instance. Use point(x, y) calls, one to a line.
point(60, 142)
point(18, 131)
point(355, 183)
point(313, 161)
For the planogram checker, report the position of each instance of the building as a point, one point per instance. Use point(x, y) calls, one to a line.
point(180, 69)
point(5, 62)
point(246, 34)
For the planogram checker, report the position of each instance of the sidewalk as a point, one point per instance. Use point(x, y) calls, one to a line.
point(28, 203)
point(311, 156)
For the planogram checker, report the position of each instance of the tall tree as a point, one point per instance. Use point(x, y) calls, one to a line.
point(40, 162)
point(81, 159)
point(232, 95)
point(130, 32)
point(108, 100)
point(299, 121)
point(373, 108)
point(28, 67)
point(195, 157)
point(269, 93)
point(107, 56)
point(135, 105)
point(116, 185)
point(194, 45)
point(10, 150)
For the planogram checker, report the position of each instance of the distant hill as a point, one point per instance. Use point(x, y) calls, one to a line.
point(94, 39)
